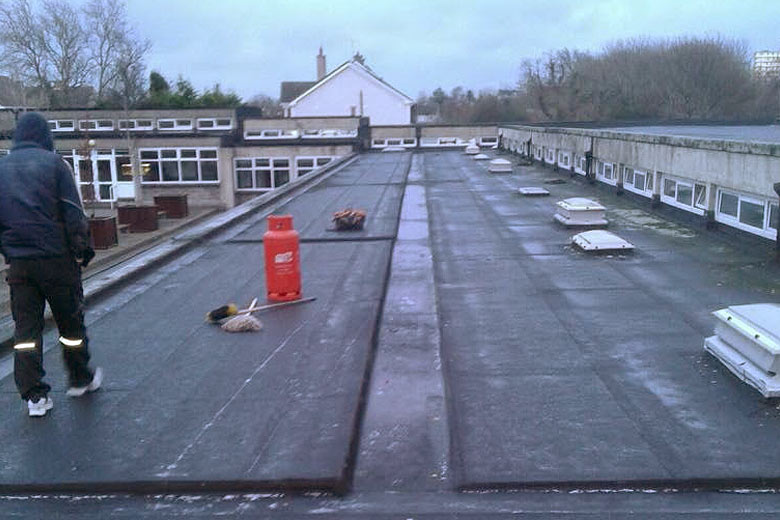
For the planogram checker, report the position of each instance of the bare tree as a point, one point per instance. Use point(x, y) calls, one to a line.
point(68, 53)
point(66, 44)
point(113, 46)
point(23, 39)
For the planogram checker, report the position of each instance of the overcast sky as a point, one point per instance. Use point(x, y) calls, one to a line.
point(250, 46)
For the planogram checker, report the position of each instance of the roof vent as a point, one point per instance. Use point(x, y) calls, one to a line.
point(472, 149)
point(481, 157)
point(600, 241)
point(532, 191)
point(747, 342)
point(500, 166)
point(579, 211)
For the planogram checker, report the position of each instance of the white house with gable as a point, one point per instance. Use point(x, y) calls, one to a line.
point(353, 89)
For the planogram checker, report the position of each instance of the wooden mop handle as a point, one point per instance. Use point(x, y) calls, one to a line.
point(252, 308)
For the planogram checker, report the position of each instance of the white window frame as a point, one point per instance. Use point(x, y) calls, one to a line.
point(270, 134)
point(435, 142)
point(564, 159)
point(96, 125)
point(405, 142)
point(177, 127)
point(766, 231)
point(136, 126)
point(769, 222)
point(178, 159)
point(488, 140)
point(327, 133)
point(601, 172)
point(550, 156)
point(672, 200)
point(215, 121)
point(58, 125)
point(318, 161)
point(579, 164)
point(255, 167)
point(647, 182)
point(538, 153)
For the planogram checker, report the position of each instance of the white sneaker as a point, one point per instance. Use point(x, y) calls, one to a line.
point(78, 391)
point(40, 407)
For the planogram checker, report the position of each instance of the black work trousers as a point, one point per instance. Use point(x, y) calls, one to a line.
point(33, 282)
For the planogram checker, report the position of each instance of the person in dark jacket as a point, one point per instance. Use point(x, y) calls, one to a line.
point(44, 239)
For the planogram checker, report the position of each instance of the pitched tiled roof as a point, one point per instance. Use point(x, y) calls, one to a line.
point(292, 89)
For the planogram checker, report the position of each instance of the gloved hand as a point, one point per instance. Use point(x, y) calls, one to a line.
point(86, 256)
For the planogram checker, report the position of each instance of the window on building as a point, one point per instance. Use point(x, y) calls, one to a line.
point(62, 125)
point(684, 194)
point(304, 165)
point(122, 161)
point(638, 180)
point(669, 188)
point(751, 213)
point(628, 176)
point(261, 173)
point(211, 123)
point(607, 171)
point(773, 218)
point(700, 196)
point(729, 204)
point(184, 165)
point(174, 124)
point(135, 124)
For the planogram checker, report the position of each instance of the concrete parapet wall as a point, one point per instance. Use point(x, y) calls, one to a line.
point(463, 132)
point(722, 180)
point(743, 166)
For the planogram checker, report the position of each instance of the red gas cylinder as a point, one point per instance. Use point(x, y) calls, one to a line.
point(282, 262)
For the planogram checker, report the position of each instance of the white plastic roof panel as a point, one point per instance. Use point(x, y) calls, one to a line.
point(580, 204)
point(599, 240)
point(578, 211)
point(747, 342)
point(500, 166)
point(481, 157)
point(532, 191)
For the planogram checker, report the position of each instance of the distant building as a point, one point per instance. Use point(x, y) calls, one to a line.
point(351, 90)
point(766, 64)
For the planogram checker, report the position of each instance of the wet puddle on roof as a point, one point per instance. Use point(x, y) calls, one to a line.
point(636, 219)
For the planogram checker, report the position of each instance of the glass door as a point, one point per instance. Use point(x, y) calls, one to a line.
point(106, 179)
point(86, 178)
point(124, 188)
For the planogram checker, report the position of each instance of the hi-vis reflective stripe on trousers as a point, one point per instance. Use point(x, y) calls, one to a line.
point(25, 346)
point(71, 342)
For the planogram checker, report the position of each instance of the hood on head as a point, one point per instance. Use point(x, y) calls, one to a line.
point(33, 127)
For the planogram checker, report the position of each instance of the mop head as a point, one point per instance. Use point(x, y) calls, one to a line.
point(242, 323)
point(349, 219)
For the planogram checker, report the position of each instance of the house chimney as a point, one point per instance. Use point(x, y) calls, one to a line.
point(320, 65)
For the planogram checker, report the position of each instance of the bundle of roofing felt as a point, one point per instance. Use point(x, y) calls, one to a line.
point(349, 219)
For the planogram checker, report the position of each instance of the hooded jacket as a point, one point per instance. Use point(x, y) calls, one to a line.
point(40, 210)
